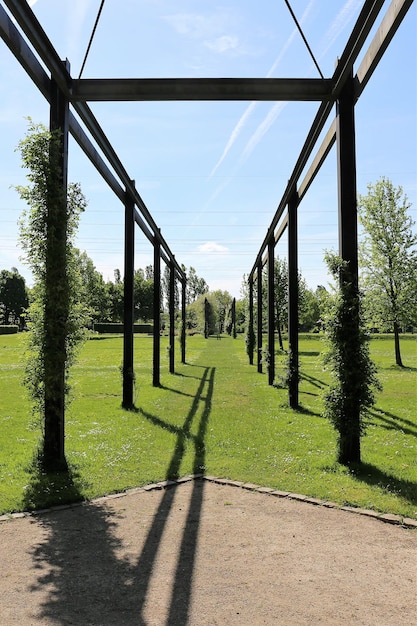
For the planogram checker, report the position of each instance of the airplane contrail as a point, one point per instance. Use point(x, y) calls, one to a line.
point(249, 110)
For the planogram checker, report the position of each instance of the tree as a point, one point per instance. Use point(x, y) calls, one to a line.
point(94, 291)
point(13, 294)
point(353, 374)
point(388, 256)
point(143, 296)
point(47, 231)
point(196, 286)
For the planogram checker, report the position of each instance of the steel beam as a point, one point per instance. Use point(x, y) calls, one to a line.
point(321, 155)
point(157, 314)
point(39, 40)
point(250, 323)
point(271, 311)
point(359, 34)
point(18, 46)
point(380, 42)
point(171, 318)
point(293, 301)
point(259, 318)
point(346, 174)
point(204, 89)
point(128, 305)
point(183, 318)
point(57, 288)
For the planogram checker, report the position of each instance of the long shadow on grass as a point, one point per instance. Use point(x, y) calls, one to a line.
point(81, 577)
point(389, 421)
point(372, 475)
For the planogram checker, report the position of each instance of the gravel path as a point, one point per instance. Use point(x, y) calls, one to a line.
point(203, 554)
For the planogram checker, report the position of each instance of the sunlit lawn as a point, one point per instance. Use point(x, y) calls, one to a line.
point(216, 415)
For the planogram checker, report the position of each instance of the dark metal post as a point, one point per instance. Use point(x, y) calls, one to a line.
point(57, 295)
point(156, 313)
point(293, 301)
point(234, 318)
point(346, 174)
point(259, 317)
point(349, 432)
point(251, 336)
point(171, 318)
point(271, 311)
point(183, 319)
point(128, 316)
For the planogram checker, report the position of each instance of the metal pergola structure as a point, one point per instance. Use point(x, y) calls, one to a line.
point(343, 90)
point(346, 89)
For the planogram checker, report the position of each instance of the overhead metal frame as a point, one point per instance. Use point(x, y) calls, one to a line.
point(341, 78)
point(327, 91)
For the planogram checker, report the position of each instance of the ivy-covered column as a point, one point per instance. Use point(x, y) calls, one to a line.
point(350, 427)
point(57, 296)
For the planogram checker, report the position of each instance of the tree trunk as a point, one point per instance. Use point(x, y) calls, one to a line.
point(278, 321)
point(398, 359)
point(349, 449)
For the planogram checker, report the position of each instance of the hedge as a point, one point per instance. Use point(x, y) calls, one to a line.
point(10, 329)
point(104, 327)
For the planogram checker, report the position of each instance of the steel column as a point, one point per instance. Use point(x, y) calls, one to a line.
point(271, 311)
point(183, 319)
point(259, 318)
point(250, 332)
point(128, 317)
point(171, 318)
point(349, 429)
point(346, 173)
point(156, 313)
point(57, 288)
point(293, 364)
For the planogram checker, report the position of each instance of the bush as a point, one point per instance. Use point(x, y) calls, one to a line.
point(9, 329)
point(109, 327)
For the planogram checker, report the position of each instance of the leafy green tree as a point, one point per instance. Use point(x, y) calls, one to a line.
point(388, 257)
point(94, 291)
point(13, 294)
point(353, 374)
point(309, 305)
point(196, 286)
point(143, 296)
point(47, 232)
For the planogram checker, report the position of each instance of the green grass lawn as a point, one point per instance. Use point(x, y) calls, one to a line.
point(216, 415)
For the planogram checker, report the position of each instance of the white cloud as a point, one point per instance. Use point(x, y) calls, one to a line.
point(211, 247)
point(222, 44)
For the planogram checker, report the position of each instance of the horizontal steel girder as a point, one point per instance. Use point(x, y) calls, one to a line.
point(168, 89)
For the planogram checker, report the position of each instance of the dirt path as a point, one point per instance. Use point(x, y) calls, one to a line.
point(205, 554)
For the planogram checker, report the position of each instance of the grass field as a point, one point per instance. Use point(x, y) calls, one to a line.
point(215, 415)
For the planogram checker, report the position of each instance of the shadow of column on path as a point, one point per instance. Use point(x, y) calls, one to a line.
point(82, 575)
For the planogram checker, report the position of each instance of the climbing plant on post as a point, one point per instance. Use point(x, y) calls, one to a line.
point(47, 230)
point(353, 374)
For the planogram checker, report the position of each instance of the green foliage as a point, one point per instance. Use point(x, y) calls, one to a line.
point(13, 295)
point(353, 375)
point(9, 329)
point(38, 151)
point(388, 259)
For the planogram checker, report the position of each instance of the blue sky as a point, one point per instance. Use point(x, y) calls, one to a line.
point(211, 173)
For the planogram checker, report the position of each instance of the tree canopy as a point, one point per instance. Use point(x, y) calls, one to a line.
point(388, 257)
